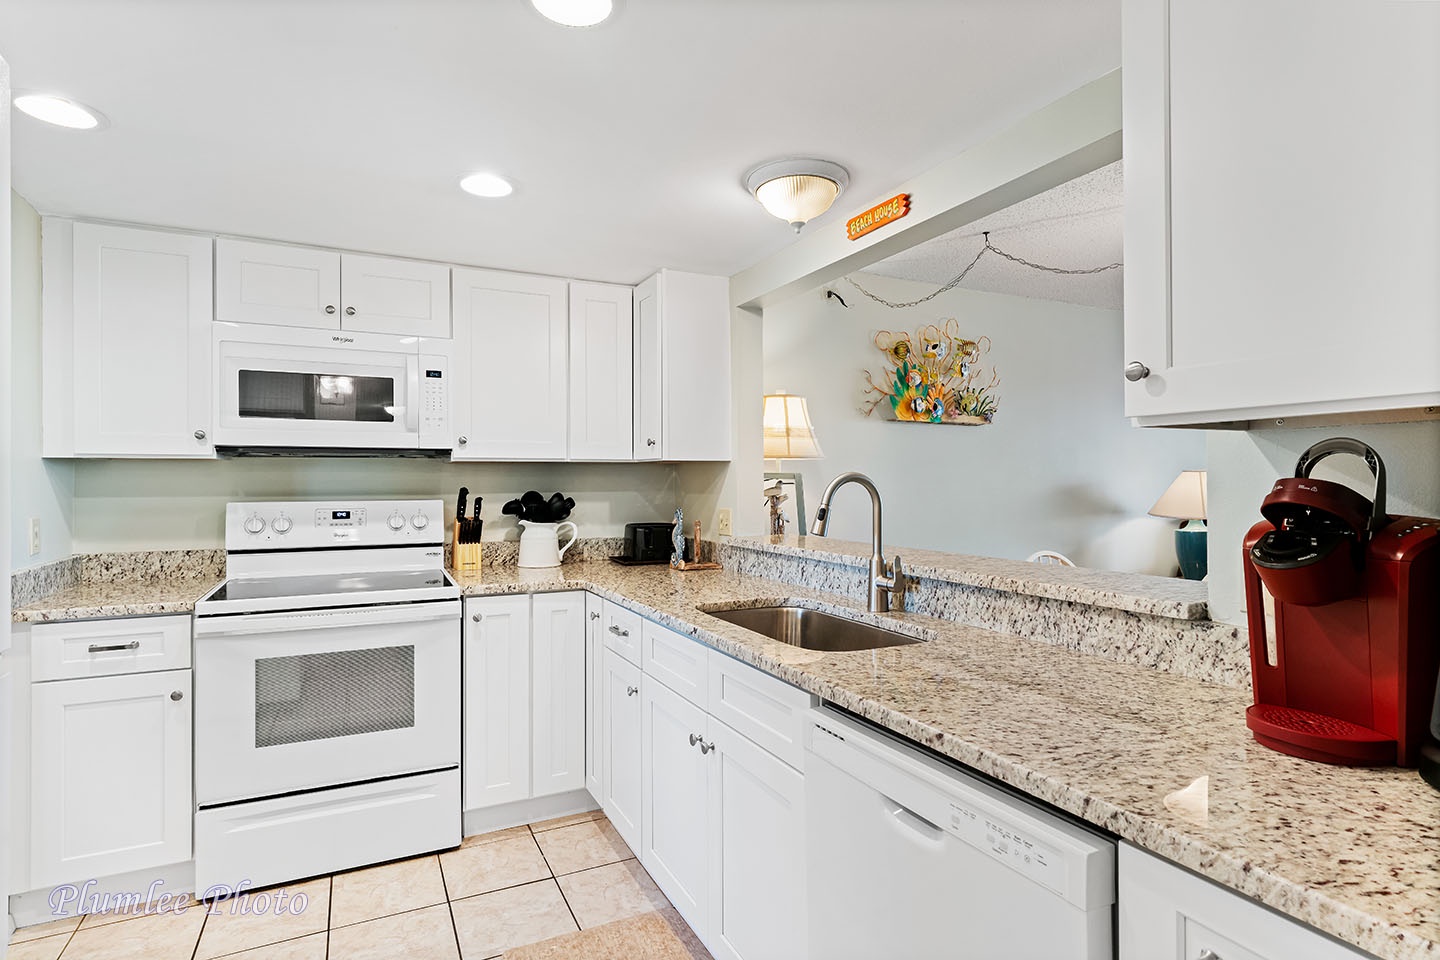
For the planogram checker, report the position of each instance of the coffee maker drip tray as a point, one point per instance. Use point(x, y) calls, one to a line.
point(1315, 736)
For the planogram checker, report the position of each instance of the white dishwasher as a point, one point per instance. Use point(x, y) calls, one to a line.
point(909, 858)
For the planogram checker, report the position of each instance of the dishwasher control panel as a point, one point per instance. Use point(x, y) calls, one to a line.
point(1017, 848)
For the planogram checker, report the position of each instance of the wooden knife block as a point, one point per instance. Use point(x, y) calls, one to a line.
point(466, 556)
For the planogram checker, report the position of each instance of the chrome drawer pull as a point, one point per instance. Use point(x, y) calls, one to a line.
point(618, 632)
point(112, 647)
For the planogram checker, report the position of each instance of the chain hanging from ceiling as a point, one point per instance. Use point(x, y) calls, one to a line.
point(988, 248)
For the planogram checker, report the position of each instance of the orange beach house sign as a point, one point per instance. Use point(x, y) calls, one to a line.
point(878, 215)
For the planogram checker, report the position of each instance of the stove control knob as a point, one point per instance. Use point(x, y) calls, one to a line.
point(420, 521)
point(255, 524)
point(281, 524)
point(396, 522)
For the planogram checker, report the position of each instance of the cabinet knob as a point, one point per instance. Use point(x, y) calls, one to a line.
point(330, 308)
point(1209, 955)
point(631, 691)
point(694, 739)
point(463, 440)
point(706, 747)
point(176, 695)
point(649, 442)
point(1135, 371)
point(594, 616)
point(199, 434)
point(349, 311)
point(478, 617)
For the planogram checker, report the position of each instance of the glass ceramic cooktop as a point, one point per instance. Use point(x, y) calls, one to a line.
point(337, 585)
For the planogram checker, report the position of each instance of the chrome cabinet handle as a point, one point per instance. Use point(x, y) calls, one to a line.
point(706, 747)
point(649, 443)
point(1209, 955)
point(112, 647)
point(478, 617)
point(1135, 371)
point(349, 311)
point(176, 695)
point(594, 616)
point(618, 632)
point(694, 739)
point(330, 308)
point(199, 434)
point(631, 691)
point(464, 440)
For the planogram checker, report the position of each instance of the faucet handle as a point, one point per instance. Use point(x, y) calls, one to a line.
point(897, 584)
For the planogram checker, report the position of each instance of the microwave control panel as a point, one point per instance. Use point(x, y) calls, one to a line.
point(434, 402)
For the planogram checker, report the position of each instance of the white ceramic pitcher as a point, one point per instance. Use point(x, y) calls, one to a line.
point(540, 543)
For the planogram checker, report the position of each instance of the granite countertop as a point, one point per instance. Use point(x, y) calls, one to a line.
point(116, 598)
point(1352, 852)
point(1133, 592)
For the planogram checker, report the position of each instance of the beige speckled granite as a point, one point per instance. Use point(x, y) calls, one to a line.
point(134, 584)
point(1352, 852)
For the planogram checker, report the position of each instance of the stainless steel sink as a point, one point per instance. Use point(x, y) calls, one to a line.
point(812, 629)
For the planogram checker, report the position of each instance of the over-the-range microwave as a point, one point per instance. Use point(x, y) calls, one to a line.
point(296, 390)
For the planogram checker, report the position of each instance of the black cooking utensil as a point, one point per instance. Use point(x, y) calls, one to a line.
point(513, 508)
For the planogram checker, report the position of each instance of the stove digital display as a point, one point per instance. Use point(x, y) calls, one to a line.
point(339, 514)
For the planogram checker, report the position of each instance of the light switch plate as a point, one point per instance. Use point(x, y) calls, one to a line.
point(722, 523)
point(34, 536)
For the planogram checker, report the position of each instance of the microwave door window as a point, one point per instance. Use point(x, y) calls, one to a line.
point(284, 395)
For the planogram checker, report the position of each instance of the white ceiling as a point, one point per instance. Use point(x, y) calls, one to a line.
point(1076, 225)
point(347, 123)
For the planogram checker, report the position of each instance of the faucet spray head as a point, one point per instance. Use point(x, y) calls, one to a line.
point(822, 520)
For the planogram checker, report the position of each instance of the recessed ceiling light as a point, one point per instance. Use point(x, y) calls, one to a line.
point(487, 185)
point(57, 110)
point(575, 13)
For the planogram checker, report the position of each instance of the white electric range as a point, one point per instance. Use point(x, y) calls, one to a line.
point(327, 693)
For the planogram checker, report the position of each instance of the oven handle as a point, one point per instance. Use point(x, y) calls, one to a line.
point(255, 623)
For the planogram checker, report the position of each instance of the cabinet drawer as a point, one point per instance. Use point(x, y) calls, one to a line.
point(622, 631)
point(676, 661)
point(98, 648)
point(1200, 941)
point(769, 711)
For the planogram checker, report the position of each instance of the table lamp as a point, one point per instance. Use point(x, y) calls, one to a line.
point(1185, 500)
point(789, 435)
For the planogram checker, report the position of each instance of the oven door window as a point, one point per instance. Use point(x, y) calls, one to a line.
point(286, 395)
point(324, 696)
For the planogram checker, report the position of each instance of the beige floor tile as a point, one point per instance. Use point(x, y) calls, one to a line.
point(653, 936)
point(160, 936)
point(140, 910)
point(302, 948)
point(508, 833)
point(612, 892)
point(582, 846)
point(46, 948)
point(492, 866)
point(385, 890)
point(237, 925)
point(47, 929)
point(418, 935)
point(489, 925)
point(571, 820)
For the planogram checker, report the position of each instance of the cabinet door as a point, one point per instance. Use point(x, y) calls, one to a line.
point(757, 852)
point(695, 345)
point(497, 701)
point(623, 741)
point(594, 701)
point(1168, 913)
point(510, 366)
point(276, 284)
point(142, 317)
point(648, 371)
point(110, 767)
point(601, 386)
point(405, 297)
point(1255, 194)
point(557, 644)
point(676, 831)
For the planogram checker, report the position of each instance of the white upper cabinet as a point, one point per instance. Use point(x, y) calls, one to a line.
point(601, 404)
point(276, 284)
point(1282, 210)
point(126, 342)
point(406, 297)
point(281, 285)
point(511, 341)
point(682, 367)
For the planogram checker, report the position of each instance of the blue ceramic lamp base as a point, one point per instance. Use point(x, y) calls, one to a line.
point(1190, 548)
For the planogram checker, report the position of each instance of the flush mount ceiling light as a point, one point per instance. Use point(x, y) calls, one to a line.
point(575, 13)
point(487, 185)
point(797, 191)
point(60, 111)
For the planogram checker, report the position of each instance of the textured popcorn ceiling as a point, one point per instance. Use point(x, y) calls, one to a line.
point(1077, 224)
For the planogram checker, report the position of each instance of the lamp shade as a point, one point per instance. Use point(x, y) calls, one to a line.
point(1185, 499)
point(788, 432)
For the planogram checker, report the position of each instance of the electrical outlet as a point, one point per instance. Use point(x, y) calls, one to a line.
point(34, 536)
point(722, 523)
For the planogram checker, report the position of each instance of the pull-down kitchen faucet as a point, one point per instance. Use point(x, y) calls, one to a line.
point(887, 581)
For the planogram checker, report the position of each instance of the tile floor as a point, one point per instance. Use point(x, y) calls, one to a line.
point(564, 889)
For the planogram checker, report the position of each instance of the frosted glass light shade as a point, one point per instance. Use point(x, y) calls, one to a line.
point(789, 434)
point(797, 191)
point(1185, 499)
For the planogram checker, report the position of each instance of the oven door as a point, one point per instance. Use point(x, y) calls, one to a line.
point(282, 387)
point(320, 698)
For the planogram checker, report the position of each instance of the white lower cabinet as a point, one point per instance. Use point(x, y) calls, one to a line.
point(623, 737)
point(1168, 913)
point(677, 814)
point(110, 775)
point(594, 701)
point(557, 660)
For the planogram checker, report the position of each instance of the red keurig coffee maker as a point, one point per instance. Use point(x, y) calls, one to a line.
point(1344, 616)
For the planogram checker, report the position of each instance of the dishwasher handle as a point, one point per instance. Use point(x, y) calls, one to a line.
point(910, 824)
